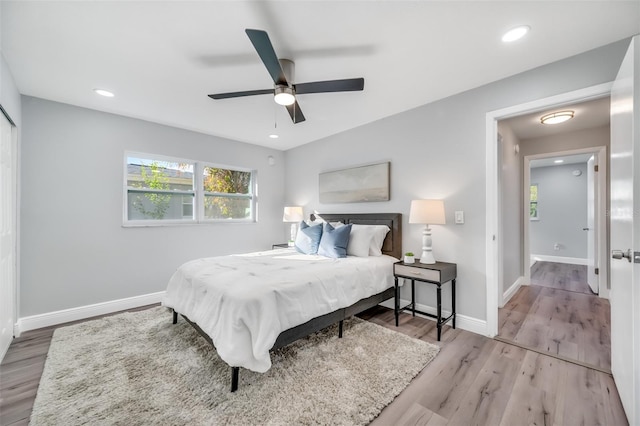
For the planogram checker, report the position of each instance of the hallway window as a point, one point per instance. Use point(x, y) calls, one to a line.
point(533, 202)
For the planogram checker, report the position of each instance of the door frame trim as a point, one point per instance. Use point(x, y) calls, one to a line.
point(492, 215)
point(600, 207)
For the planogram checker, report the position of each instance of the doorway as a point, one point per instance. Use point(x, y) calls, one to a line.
point(503, 284)
point(565, 195)
point(551, 307)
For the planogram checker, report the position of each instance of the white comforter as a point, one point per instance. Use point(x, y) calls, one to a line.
point(243, 302)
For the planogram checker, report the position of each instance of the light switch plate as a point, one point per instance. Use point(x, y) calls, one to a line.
point(459, 215)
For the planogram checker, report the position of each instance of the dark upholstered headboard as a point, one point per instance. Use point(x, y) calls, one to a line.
point(393, 241)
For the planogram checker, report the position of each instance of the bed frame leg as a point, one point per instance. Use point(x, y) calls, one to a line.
point(234, 378)
point(175, 317)
point(340, 326)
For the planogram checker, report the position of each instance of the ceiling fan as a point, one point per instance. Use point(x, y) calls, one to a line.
point(282, 72)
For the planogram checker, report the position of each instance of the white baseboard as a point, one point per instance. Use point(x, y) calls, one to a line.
point(507, 295)
point(558, 259)
point(464, 322)
point(82, 312)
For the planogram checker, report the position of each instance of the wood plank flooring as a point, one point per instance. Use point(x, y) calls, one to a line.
point(473, 381)
point(574, 325)
point(561, 276)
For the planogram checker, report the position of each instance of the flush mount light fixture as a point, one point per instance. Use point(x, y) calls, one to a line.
point(556, 117)
point(274, 136)
point(558, 161)
point(284, 95)
point(515, 33)
point(103, 92)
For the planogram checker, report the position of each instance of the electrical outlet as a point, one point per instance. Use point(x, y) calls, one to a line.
point(459, 217)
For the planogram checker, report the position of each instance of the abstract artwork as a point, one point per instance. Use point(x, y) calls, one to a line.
point(355, 185)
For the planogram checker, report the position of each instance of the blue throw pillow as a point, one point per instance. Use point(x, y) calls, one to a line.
point(308, 238)
point(334, 241)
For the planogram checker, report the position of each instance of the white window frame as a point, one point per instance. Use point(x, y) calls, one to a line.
point(200, 192)
point(197, 192)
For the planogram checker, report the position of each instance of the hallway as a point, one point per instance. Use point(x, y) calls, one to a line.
point(558, 314)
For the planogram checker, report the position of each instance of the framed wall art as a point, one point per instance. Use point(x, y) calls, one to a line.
point(355, 185)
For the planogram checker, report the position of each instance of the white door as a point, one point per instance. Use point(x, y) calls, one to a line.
point(8, 176)
point(592, 278)
point(625, 227)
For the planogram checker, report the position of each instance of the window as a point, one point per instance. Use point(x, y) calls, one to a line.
point(159, 190)
point(227, 193)
point(533, 202)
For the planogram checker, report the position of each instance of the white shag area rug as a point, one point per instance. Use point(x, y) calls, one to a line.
point(139, 369)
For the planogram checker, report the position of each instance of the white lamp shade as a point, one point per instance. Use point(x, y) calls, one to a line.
point(427, 212)
point(293, 214)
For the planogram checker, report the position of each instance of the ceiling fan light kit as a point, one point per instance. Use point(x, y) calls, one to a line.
point(282, 72)
point(284, 95)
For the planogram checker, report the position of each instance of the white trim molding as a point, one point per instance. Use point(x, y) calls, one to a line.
point(83, 312)
point(492, 236)
point(464, 322)
point(558, 259)
point(508, 294)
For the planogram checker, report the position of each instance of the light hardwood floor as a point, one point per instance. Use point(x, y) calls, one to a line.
point(572, 324)
point(473, 381)
point(561, 276)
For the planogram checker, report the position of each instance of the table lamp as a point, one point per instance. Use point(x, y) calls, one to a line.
point(427, 212)
point(293, 214)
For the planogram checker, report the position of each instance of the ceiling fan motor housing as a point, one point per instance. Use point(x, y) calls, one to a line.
point(288, 67)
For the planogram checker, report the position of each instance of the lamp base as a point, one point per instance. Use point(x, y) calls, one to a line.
point(427, 252)
point(427, 258)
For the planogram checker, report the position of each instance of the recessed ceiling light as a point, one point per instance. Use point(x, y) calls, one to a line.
point(558, 161)
point(103, 92)
point(274, 136)
point(556, 117)
point(515, 33)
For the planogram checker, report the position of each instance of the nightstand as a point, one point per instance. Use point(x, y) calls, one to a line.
point(436, 274)
point(281, 245)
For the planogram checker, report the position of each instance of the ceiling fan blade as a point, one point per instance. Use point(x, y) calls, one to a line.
point(262, 44)
point(295, 112)
point(346, 85)
point(239, 94)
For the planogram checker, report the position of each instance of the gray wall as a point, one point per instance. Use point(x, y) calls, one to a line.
point(75, 251)
point(9, 95)
point(588, 138)
point(438, 151)
point(562, 211)
point(511, 206)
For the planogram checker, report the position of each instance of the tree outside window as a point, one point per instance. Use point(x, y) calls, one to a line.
point(165, 190)
point(227, 193)
point(533, 202)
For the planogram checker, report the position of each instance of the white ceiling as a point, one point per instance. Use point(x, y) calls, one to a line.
point(566, 159)
point(587, 115)
point(161, 58)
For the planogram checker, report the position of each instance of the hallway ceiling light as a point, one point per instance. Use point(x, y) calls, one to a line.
point(556, 117)
point(515, 33)
point(558, 161)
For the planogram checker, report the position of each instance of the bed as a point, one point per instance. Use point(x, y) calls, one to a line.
point(248, 305)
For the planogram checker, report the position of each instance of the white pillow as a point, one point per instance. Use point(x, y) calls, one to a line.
point(359, 241)
point(377, 233)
